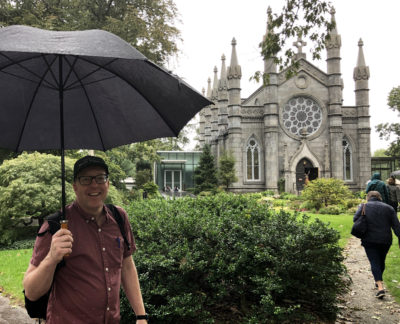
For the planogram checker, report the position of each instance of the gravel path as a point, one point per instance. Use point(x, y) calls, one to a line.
point(361, 306)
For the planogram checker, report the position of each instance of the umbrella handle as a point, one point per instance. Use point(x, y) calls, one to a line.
point(64, 225)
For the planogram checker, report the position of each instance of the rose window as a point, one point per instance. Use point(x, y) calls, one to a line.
point(302, 114)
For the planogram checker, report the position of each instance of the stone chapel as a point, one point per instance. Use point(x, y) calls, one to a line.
point(291, 130)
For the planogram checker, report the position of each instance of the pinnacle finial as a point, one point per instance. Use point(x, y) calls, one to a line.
point(360, 42)
point(233, 41)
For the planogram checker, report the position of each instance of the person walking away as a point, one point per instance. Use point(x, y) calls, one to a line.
point(394, 193)
point(85, 290)
point(376, 184)
point(381, 219)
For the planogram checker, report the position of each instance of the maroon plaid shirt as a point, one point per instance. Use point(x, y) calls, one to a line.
point(86, 289)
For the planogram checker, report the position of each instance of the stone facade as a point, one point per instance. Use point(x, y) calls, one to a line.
point(291, 130)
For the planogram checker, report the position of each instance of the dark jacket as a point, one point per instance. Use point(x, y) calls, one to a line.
point(381, 218)
point(376, 184)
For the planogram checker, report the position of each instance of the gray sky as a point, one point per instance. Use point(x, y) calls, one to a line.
point(208, 27)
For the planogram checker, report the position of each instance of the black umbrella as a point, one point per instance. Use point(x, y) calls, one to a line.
point(85, 89)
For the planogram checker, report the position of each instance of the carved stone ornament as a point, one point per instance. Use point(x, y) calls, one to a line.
point(335, 41)
point(301, 81)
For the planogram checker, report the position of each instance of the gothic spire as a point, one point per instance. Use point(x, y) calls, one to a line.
point(234, 70)
point(361, 71)
point(360, 58)
point(334, 31)
point(223, 81)
point(209, 88)
point(214, 92)
point(269, 11)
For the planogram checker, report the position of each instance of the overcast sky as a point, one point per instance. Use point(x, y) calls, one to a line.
point(208, 27)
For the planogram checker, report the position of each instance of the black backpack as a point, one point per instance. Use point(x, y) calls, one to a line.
point(38, 308)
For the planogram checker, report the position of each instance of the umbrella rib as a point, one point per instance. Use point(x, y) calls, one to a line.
point(90, 105)
point(13, 62)
point(30, 106)
point(51, 71)
point(79, 80)
point(144, 97)
point(89, 83)
point(70, 70)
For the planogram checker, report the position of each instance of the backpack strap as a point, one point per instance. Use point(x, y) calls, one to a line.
point(121, 222)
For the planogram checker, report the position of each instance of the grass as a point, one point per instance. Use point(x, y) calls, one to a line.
point(13, 264)
point(342, 223)
point(391, 276)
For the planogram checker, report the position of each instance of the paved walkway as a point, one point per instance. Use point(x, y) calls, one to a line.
point(360, 305)
point(13, 314)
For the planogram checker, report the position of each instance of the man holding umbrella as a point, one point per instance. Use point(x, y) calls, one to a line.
point(85, 289)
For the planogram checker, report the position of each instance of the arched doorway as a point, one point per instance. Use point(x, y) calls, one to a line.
point(305, 171)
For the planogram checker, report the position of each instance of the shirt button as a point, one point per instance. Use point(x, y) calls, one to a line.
point(99, 230)
point(87, 221)
point(92, 218)
point(107, 269)
point(104, 249)
point(109, 289)
point(108, 308)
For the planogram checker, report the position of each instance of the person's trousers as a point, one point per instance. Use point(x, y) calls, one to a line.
point(394, 204)
point(376, 254)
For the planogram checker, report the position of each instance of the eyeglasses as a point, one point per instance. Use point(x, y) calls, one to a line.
point(87, 180)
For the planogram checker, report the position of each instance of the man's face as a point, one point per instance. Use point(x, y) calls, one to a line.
point(92, 196)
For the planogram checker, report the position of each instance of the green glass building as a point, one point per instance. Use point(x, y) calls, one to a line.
point(176, 169)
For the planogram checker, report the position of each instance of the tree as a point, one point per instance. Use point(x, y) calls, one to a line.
point(380, 153)
point(30, 188)
point(205, 175)
point(325, 191)
point(226, 171)
point(298, 19)
point(146, 25)
point(387, 130)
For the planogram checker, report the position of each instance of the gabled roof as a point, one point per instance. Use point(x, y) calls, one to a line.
point(306, 67)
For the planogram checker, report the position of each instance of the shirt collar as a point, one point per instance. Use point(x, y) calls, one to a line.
point(86, 216)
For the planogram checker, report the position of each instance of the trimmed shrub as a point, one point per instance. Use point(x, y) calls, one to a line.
point(228, 259)
point(326, 191)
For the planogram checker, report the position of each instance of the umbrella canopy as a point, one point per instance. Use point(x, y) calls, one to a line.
point(85, 89)
point(105, 92)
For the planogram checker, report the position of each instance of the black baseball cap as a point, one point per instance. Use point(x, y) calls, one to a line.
point(89, 161)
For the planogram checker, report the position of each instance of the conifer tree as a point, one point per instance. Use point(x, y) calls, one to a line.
point(226, 171)
point(205, 175)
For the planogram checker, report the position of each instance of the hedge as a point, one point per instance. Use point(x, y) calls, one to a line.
point(229, 259)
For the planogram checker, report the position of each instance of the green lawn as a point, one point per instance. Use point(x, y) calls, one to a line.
point(13, 264)
point(342, 223)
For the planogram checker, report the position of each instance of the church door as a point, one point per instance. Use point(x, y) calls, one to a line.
point(305, 172)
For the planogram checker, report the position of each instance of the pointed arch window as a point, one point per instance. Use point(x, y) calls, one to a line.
point(347, 160)
point(253, 160)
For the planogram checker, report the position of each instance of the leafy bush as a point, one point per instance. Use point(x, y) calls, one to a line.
point(326, 191)
point(268, 193)
point(279, 203)
point(332, 210)
point(228, 259)
point(289, 196)
point(350, 203)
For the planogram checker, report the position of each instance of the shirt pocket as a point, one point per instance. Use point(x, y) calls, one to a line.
point(116, 251)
